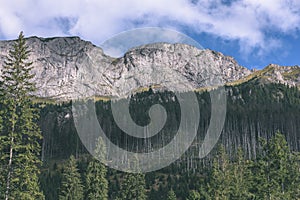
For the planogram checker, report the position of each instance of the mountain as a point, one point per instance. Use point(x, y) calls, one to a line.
point(260, 102)
point(287, 75)
point(68, 67)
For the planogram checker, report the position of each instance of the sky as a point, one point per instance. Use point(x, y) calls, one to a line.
point(255, 32)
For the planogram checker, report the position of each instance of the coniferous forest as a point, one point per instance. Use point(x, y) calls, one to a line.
point(42, 157)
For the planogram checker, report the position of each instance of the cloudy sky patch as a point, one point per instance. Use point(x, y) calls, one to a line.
point(258, 29)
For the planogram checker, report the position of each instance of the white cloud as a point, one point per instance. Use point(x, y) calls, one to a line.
point(117, 45)
point(246, 21)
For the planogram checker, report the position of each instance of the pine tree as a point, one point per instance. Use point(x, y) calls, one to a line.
point(96, 182)
point(276, 174)
point(220, 179)
point(277, 156)
point(71, 186)
point(294, 176)
point(194, 195)
point(20, 134)
point(171, 195)
point(282, 172)
point(260, 179)
point(133, 185)
point(240, 182)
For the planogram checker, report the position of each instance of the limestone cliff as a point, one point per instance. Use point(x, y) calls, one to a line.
point(69, 67)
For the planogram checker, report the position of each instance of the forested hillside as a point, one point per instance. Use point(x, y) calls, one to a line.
point(255, 111)
point(256, 157)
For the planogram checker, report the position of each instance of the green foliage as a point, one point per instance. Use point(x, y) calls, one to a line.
point(20, 134)
point(50, 180)
point(96, 182)
point(254, 110)
point(71, 186)
point(171, 195)
point(240, 183)
point(230, 179)
point(276, 173)
point(220, 177)
point(194, 195)
point(133, 187)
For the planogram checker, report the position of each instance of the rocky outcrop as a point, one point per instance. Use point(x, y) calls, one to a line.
point(176, 67)
point(60, 62)
point(69, 67)
point(288, 75)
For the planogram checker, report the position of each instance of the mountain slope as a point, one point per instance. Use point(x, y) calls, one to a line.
point(69, 68)
point(288, 75)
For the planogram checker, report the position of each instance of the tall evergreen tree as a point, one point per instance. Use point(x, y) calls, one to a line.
point(294, 176)
point(71, 186)
point(171, 195)
point(276, 173)
point(20, 134)
point(133, 185)
point(220, 178)
point(194, 195)
point(96, 182)
point(240, 183)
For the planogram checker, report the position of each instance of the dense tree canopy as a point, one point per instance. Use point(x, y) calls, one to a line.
point(71, 186)
point(20, 134)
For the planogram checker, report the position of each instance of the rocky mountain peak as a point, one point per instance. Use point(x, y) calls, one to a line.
point(68, 67)
point(289, 75)
point(176, 67)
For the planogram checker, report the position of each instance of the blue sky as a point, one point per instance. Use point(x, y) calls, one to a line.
point(255, 32)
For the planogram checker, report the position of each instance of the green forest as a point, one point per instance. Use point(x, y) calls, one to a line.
point(42, 157)
point(273, 175)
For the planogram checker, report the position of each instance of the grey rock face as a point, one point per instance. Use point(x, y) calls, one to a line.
point(288, 75)
point(61, 62)
point(176, 67)
point(69, 67)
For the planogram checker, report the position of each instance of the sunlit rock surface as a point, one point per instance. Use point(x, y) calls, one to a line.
point(68, 68)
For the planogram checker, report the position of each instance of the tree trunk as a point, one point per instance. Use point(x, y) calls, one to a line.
point(10, 155)
point(9, 168)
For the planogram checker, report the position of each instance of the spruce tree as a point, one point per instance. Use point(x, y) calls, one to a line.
point(220, 178)
point(133, 185)
point(171, 195)
point(294, 176)
point(260, 178)
point(71, 186)
point(276, 174)
point(19, 134)
point(240, 183)
point(281, 167)
point(194, 195)
point(96, 182)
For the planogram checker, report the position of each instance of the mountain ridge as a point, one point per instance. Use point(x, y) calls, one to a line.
point(68, 68)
